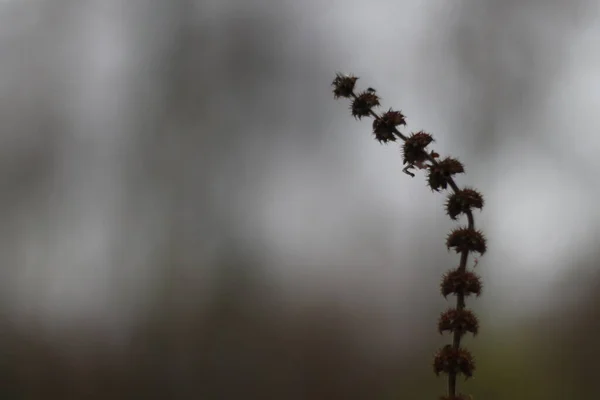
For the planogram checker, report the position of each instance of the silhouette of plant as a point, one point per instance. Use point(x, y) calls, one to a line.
point(451, 359)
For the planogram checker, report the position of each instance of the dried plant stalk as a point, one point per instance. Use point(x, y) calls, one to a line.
point(451, 359)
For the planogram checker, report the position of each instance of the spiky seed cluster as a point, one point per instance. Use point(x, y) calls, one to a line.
point(343, 85)
point(461, 282)
point(466, 239)
point(461, 321)
point(451, 359)
point(413, 150)
point(454, 361)
point(384, 127)
point(364, 103)
point(462, 202)
point(439, 174)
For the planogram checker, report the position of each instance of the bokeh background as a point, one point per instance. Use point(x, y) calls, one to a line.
point(186, 212)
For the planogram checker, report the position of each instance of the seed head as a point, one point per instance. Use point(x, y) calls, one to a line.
point(363, 104)
point(461, 321)
point(463, 201)
point(343, 85)
point(454, 361)
point(384, 127)
point(457, 281)
point(414, 147)
point(466, 239)
point(440, 174)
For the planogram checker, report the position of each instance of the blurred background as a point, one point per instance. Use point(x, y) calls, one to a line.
point(187, 213)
